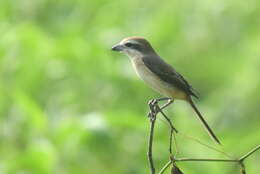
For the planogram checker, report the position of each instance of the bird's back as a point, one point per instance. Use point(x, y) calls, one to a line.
point(168, 74)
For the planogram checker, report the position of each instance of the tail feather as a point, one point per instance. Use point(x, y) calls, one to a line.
point(211, 133)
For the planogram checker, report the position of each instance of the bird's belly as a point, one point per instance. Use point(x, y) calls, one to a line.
point(156, 83)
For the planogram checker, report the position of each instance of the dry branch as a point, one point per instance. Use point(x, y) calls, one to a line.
point(154, 110)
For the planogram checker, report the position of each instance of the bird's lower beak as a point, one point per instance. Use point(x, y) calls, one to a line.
point(118, 47)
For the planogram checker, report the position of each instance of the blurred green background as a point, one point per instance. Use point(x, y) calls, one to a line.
point(69, 104)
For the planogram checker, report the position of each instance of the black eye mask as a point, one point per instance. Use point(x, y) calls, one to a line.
point(133, 46)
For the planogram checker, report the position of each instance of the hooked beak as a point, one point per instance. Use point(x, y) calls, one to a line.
point(117, 47)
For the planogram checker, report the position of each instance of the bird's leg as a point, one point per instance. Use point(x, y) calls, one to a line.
point(155, 108)
point(152, 105)
point(156, 100)
point(170, 101)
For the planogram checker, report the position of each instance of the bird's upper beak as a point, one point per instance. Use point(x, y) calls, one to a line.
point(118, 47)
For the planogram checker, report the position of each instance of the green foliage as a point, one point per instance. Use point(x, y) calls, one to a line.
point(70, 105)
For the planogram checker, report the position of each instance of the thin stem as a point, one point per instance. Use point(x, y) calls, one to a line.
point(243, 168)
point(208, 146)
point(240, 160)
point(175, 145)
point(165, 167)
point(168, 120)
point(154, 110)
point(207, 160)
point(193, 159)
point(170, 146)
point(249, 153)
point(158, 108)
point(150, 147)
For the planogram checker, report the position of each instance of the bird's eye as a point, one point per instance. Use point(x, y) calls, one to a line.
point(128, 44)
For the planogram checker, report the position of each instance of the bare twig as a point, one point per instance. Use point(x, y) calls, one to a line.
point(249, 153)
point(165, 167)
point(172, 128)
point(206, 159)
point(243, 168)
point(239, 161)
point(206, 145)
point(168, 120)
point(154, 110)
point(152, 115)
point(150, 146)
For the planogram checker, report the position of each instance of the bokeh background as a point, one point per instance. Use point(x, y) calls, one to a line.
point(68, 104)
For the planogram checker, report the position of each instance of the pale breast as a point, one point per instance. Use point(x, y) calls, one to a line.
point(153, 81)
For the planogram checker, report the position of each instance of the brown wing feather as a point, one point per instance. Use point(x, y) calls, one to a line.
point(168, 74)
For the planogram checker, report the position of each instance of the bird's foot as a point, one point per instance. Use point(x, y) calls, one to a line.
point(154, 108)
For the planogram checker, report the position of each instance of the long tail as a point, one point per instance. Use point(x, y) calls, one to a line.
point(211, 133)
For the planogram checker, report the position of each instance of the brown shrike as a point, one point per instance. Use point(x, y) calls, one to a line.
point(159, 75)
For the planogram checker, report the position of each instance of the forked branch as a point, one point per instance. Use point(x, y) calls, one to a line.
point(154, 110)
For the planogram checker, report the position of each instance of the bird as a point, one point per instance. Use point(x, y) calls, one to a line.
point(159, 75)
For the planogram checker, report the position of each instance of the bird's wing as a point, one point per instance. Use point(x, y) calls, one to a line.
point(165, 72)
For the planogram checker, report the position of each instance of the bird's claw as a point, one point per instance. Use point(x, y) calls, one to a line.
point(152, 102)
point(154, 108)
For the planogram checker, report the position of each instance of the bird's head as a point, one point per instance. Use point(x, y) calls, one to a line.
point(134, 47)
